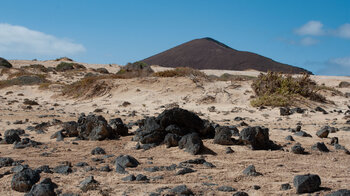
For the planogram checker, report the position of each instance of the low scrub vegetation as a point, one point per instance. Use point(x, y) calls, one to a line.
point(64, 66)
point(88, 87)
point(39, 67)
point(29, 79)
point(275, 89)
point(230, 77)
point(136, 69)
point(180, 72)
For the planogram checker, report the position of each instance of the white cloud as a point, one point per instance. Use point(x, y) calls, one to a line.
point(311, 28)
point(336, 66)
point(308, 41)
point(343, 31)
point(315, 28)
point(344, 61)
point(19, 40)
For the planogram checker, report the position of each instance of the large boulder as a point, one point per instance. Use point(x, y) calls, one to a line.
point(94, 127)
point(45, 188)
point(181, 118)
point(223, 136)
point(126, 161)
point(308, 183)
point(118, 126)
point(257, 137)
point(4, 63)
point(192, 143)
point(24, 180)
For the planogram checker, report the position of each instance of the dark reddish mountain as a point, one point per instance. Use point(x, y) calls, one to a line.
point(207, 53)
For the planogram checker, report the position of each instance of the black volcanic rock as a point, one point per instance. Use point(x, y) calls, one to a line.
point(207, 53)
point(4, 63)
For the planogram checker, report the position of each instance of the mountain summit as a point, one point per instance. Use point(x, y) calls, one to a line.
point(207, 53)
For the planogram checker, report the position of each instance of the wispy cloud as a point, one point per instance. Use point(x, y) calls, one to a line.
point(310, 28)
point(308, 41)
point(305, 41)
point(343, 31)
point(336, 66)
point(344, 61)
point(19, 40)
point(315, 28)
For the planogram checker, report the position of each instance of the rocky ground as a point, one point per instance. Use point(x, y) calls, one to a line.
point(170, 136)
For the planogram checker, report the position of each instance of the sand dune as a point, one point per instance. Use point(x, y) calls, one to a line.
point(150, 96)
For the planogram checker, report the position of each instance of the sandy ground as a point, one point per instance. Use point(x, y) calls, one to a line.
point(149, 97)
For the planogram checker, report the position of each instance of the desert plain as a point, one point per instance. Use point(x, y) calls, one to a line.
point(221, 102)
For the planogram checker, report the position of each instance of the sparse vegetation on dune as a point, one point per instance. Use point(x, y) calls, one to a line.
point(180, 72)
point(63, 59)
point(88, 87)
point(25, 79)
point(276, 89)
point(230, 77)
point(64, 66)
point(136, 69)
point(38, 67)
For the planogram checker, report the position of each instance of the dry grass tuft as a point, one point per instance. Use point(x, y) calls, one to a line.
point(89, 87)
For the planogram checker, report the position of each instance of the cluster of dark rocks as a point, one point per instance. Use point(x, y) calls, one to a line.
point(25, 179)
point(286, 111)
point(175, 127)
point(185, 129)
point(92, 127)
point(12, 136)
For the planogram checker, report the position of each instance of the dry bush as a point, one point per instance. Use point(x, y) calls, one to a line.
point(88, 87)
point(64, 66)
point(136, 69)
point(276, 89)
point(38, 67)
point(180, 72)
point(63, 59)
point(21, 80)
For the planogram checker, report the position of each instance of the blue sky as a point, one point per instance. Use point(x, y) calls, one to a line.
point(311, 34)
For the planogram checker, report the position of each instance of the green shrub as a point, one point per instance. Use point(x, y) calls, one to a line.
point(64, 66)
point(275, 89)
point(137, 69)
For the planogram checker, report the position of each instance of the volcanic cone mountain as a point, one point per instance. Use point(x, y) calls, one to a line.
point(207, 53)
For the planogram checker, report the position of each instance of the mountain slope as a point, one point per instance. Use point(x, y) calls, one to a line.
point(207, 53)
